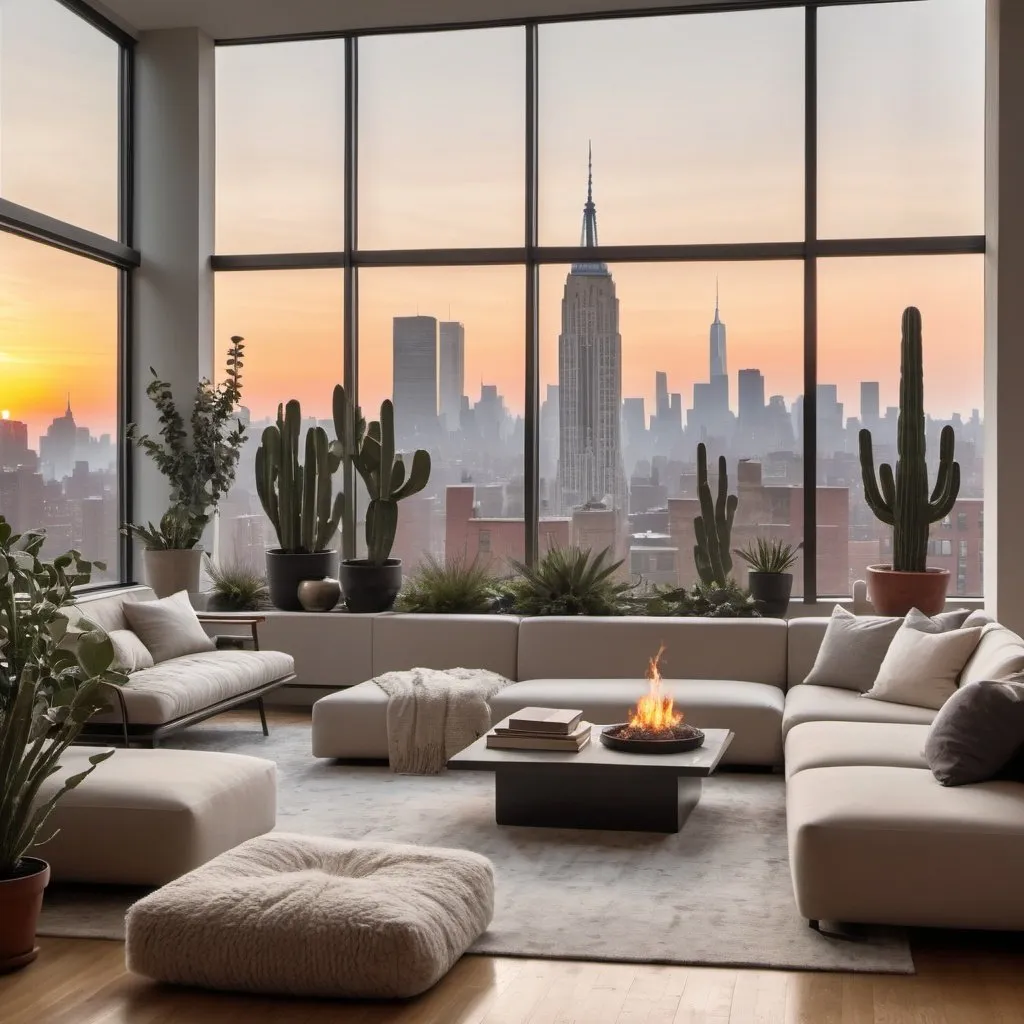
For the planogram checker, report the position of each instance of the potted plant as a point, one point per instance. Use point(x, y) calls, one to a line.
point(571, 581)
point(371, 584)
point(297, 498)
point(199, 463)
point(769, 578)
point(50, 685)
point(455, 586)
point(901, 499)
point(235, 587)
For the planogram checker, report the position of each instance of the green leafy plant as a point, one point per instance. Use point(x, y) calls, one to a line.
point(387, 477)
point(570, 581)
point(199, 462)
point(52, 675)
point(297, 497)
point(901, 500)
point(706, 600)
point(713, 527)
point(454, 586)
point(771, 555)
point(236, 588)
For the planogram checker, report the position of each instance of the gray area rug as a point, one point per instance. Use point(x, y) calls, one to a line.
point(718, 893)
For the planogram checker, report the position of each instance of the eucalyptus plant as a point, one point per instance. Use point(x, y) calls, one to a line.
point(199, 460)
point(52, 675)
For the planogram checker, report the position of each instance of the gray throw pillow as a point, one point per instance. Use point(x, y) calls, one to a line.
point(852, 650)
point(977, 733)
point(170, 627)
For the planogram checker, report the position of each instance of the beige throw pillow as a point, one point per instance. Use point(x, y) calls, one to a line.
point(921, 668)
point(852, 650)
point(130, 653)
point(169, 628)
point(999, 654)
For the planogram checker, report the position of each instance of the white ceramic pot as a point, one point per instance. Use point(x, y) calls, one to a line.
point(172, 570)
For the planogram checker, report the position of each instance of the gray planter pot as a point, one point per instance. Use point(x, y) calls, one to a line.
point(169, 571)
point(370, 588)
point(286, 570)
point(771, 591)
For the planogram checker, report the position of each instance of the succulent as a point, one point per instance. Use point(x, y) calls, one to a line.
point(704, 600)
point(385, 474)
point(713, 527)
point(570, 581)
point(769, 555)
point(901, 500)
point(297, 496)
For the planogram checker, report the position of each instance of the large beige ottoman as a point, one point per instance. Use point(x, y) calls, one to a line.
point(144, 817)
point(307, 916)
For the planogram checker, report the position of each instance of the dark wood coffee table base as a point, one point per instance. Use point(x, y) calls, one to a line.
point(618, 797)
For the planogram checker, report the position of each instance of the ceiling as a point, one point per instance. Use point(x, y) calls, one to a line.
point(243, 19)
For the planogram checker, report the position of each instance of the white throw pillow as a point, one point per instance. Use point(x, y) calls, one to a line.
point(169, 628)
point(130, 653)
point(922, 668)
point(945, 621)
point(852, 650)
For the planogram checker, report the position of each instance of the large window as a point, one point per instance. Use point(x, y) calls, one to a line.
point(577, 249)
point(64, 264)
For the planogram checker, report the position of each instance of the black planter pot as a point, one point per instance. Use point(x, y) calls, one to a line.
point(286, 570)
point(370, 588)
point(771, 591)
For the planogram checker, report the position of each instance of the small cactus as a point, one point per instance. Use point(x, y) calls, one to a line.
point(713, 526)
point(901, 500)
point(297, 496)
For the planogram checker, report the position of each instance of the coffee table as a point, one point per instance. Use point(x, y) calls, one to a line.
point(596, 788)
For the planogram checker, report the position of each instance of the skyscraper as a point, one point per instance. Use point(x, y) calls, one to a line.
point(751, 400)
point(414, 345)
point(452, 372)
point(590, 380)
point(869, 403)
point(719, 366)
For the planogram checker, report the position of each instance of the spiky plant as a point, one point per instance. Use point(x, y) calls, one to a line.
point(703, 600)
point(454, 586)
point(236, 588)
point(769, 554)
point(570, 581)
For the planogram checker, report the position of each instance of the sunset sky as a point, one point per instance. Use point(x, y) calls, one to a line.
point(697, 129)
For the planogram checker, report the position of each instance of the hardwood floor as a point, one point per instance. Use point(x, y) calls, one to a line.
point(960, 980)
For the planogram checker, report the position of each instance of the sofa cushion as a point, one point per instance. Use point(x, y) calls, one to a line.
point(837, 744)
point(619, 648)
point(180, 687)
point(977, 733)
point(804, 640)
point(130, 653)
point(921, 668)
point(807, 703)
point(880, 845)
point(169, 627)
point(403, 642)
point(1000, 653)
point(852, 650)
point(352, 723)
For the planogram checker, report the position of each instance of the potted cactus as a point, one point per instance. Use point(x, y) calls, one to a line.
point(902, 500)
point(297, 498)
point(713, 527)
point(371, 584)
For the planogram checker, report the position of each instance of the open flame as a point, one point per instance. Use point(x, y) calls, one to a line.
point(655, 712)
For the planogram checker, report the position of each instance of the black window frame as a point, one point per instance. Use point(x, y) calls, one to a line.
point(531, 256)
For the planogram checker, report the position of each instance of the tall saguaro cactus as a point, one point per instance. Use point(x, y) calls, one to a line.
point(713, 526)
point(383, 472)
point(901, 500)
point(297, 496)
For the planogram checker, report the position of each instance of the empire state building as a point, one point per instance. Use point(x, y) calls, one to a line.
point(590, 380)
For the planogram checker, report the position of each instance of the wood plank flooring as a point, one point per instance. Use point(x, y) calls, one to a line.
point(963, 978)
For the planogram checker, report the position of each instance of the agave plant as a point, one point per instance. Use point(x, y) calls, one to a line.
point(52, 675)
point(453, 587)
point(236, 588)
point(770, 555)
point(570, 581)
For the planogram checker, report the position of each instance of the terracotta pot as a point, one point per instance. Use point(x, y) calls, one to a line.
point(172, 570)
point(21, 899)
point(895, 593)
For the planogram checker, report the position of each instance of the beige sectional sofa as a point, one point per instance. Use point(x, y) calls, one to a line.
point(874, 838)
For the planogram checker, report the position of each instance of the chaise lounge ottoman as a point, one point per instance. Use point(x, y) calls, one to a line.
point(307, 916)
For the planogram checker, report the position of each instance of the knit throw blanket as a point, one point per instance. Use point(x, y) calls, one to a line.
point(433, 714)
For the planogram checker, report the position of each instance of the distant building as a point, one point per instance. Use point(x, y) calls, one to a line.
point(451, 372)
point(869, 403)
point(414, 372)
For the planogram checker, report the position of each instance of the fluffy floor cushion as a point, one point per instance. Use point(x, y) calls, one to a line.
point(302, 915)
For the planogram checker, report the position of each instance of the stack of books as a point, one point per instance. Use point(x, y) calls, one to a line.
point(542, 729)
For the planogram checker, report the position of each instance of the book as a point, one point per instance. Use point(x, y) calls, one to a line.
point(580, 728)
point(558, 721)
point(566, 744)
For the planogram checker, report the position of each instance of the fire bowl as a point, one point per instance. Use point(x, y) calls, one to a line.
point(634, 741)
